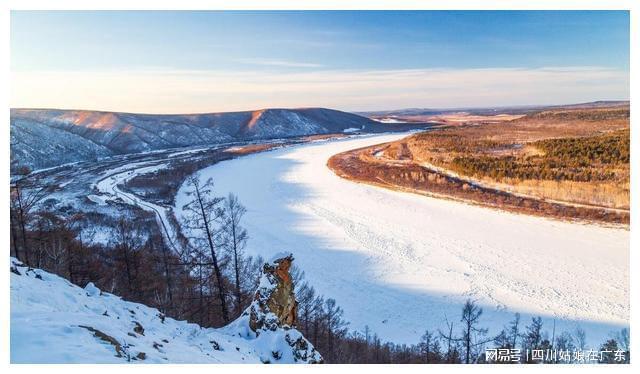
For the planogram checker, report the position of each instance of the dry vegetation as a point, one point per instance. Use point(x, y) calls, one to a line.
point(565, 163)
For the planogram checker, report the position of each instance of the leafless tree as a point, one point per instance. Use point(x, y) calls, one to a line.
point(128, 245)
point(513, 330)
point(25, 193)
point(235, 240)
point(336, 326)
point(452, 354)
point(429, 347)
point(472, 336)
point(203, 212)
point(622, 337)
point(581, 338)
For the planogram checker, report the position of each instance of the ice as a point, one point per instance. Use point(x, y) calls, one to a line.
point(402, 263)
point(351, 129)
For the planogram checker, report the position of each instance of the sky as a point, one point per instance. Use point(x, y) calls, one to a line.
point(211, 61)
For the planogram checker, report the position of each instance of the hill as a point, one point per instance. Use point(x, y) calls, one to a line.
point(43, 138)
point(55, 321)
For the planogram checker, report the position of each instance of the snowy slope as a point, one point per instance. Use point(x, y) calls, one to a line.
point(102, 133)
point(37, 145)
point(402, 263)
point(54, 321)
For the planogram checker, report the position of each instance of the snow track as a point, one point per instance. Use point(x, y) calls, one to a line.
point(110, 186)
point(402, 263)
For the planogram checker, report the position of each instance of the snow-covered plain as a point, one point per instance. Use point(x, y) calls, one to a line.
point(402, 263)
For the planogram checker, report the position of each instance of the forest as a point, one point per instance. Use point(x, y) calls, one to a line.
point(584, 159)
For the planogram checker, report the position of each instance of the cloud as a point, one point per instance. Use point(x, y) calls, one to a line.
point(182, 91)
point(277, 62)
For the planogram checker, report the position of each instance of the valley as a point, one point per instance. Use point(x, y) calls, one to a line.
point(272, 185)
point(385, 255)
point(397, 262)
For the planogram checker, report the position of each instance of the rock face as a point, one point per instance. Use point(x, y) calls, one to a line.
point(272, 315)
point(276, 296)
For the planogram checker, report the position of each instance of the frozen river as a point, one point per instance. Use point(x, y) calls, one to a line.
point(402, 263)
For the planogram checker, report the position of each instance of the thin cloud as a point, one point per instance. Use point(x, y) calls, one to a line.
point(278, 62)
point(181, 91)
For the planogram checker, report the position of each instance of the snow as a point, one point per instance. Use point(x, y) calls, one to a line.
point(187, 152)
point(53, 321)
point(387, 120)
point(351, 129)
point(91, 289)
point(97, 199)
point(378, 154)
point(43, 148)
point(98, 234)
point(402, 263)
point(278, 256)
point(109, 187)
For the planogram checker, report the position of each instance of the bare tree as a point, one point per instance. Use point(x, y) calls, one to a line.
point(53, 238)
point(336, 327)
point(305, 294)
point(429, 347)
point(471, 333)
point(533, 336)
point(622, 337)
point(564, 342)
point(513, 329)
point(127, 246)
point(235, 240)
point(25, 193)
point(204, 211)
point(164, 260)
point(452, 354)
point(581, 338)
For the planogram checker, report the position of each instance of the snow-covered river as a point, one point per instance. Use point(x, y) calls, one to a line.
point(402, 263)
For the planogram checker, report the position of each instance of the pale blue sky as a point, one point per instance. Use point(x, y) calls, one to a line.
point(349, 60)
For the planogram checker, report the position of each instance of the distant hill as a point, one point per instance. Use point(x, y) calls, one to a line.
point(48, 137)
point(520, 109)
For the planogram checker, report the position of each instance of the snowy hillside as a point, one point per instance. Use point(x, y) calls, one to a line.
point(37, 145)
point(46, 137)
point(54, 321)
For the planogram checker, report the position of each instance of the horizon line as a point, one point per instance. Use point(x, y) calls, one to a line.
point(516, 106)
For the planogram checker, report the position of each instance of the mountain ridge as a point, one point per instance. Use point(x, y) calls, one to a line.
point(49, 137)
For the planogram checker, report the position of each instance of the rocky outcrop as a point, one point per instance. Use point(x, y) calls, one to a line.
point(275, 296)
point(91, 326)
point(272, 317)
